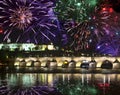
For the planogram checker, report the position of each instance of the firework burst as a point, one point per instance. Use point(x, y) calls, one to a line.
point(21, 17)
point(80, 35)
point(105, 20)
point(28, 20)
point(77, 10)
point(35, 90)
point(88, 21)
point(75, 21)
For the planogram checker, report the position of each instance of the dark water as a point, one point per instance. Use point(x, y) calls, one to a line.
point(62, 84)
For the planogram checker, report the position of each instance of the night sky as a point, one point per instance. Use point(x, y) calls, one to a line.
point(92, 25)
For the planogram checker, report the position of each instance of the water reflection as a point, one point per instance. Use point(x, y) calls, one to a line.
point(67, 84)
point(27, 79)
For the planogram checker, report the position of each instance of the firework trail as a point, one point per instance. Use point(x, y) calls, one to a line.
point(105, 21)
point(86, 22)
point(28, 20)
point(109, 45)
point(110, 23)
point(76, 17)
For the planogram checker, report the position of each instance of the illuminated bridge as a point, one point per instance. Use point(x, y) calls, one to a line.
point(74, 62)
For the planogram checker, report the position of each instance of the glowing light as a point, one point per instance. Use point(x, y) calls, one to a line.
point(92, 27)
point(111, 10)
point(90, 40)
point(103, 9)
point(98, 47)
point(1, 29)
point(79, 4)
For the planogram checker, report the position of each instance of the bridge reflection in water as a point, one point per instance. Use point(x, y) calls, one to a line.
point(67, 84)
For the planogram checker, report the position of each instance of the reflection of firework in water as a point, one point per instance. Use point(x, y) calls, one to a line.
point(109, 45)
point(98, 20)
point(28, 20)
point(75, 87)
point(36, 90)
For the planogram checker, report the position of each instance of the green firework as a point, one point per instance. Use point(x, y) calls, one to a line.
point(77, 10)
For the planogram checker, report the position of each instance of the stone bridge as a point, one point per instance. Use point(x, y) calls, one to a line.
point(41, 61)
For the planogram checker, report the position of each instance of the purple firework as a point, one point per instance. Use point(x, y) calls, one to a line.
point(28, 21)
point(109, 45)
point(35, 90)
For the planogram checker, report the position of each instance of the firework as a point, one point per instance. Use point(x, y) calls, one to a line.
point(76, 10)
point(87, 22)
point(109, 45)
point(28, 20)
point(115, 4)
point(73, 87)
point(74, 16)
point(79, 35)
point(39, 90)
point(105, 21)
point(110, 31)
